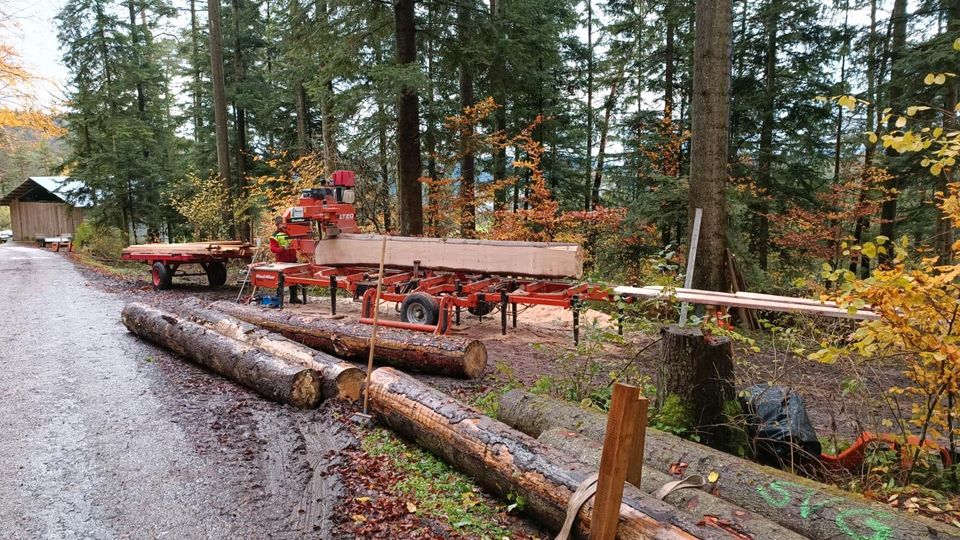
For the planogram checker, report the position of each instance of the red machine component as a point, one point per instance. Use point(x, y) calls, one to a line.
point(429, 300)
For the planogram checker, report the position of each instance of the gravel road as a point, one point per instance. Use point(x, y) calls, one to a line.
point(105, 436)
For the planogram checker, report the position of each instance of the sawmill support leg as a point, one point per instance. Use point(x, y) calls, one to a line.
point(575, 305)
point(503, 313)
point(333, 295)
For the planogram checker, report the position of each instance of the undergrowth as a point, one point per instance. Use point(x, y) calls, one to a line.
point(437, 490)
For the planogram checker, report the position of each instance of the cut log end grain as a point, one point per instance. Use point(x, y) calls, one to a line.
point(474, 359)
point(263, 373)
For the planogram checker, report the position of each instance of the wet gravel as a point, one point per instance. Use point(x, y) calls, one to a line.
point(105, 436)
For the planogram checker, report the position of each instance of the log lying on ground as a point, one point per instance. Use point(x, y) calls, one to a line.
point(263, 373)
point(507, 461)
point(694, 501)
point(809, 508)
point(412, 351)
point(540, 259)
point(340, 380)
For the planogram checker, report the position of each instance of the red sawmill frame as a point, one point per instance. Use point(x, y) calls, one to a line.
point(452, 291)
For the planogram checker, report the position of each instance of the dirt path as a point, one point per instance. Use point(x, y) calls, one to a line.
point(104, 436)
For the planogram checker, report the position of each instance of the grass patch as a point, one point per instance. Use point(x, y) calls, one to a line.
point(437, 490)
point(116, 268)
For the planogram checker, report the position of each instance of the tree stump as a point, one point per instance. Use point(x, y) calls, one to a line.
point(695, 383)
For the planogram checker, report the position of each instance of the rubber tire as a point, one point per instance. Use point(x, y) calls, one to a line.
point(420, 308)
point(216, 274)
point(162, 276)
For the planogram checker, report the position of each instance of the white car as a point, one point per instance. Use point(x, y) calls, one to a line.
point(6, 235)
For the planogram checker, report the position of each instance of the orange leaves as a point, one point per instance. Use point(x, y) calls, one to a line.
point(19, 108)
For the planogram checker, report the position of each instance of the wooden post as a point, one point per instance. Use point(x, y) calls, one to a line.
point(376, 319)
point(635, 464)
point(619, 446)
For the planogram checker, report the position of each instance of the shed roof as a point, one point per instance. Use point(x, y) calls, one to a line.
point(61, 188)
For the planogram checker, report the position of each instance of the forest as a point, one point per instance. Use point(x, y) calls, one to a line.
point(818, 139)
point(435, 103)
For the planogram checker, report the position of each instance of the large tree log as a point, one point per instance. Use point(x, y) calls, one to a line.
point(405, 349)
point(539, 259)
point(694, 501)
point(809, 508)
point(695, 380)
point(263, 373)
point(341, 380)
point(506, 461)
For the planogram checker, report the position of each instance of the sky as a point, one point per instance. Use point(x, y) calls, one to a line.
point(35, 38)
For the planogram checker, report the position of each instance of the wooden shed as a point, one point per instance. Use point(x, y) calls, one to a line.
point(44, 206)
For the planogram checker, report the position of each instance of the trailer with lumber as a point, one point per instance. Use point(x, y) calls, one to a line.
point(166, 260)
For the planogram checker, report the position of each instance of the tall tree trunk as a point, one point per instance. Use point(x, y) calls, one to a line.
point(588, 204)
point(944, 229)
point(497, 75)
point(408, 125)
point(297, 39)
point(195, 63)
point(710, 122)
point(434, 200)
point(863, 222)
point(219, 99)
point(240, 116)
point(382, 157)
point(468, 209)
point(761, 210)
point(328, 127)
point(608, 107)
point(898, 44)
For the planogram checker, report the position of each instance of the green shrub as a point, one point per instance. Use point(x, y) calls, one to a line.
point(106, 243)
point(83, 235)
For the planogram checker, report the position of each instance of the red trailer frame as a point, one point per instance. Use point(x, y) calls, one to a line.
point(431, 299)
point(165, 266)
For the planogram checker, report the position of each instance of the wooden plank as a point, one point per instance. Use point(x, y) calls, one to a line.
point(811, 307)
point(614, 461)
point(541, 259)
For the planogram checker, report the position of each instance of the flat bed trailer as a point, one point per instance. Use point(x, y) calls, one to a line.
point(166, 260)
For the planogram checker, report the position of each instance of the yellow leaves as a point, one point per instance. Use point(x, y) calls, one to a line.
point(901, 121)
point(412, 508)
point(850, 102)
point(914, 109)
point(872, 137)
point(937, 78)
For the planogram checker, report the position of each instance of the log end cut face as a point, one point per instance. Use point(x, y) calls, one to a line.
point(474, 359)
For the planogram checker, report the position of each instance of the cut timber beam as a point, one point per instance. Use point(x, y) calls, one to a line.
point(540, 259)
point(808, 508)
point(768, 302)
point(263, 373)
point(506, 461)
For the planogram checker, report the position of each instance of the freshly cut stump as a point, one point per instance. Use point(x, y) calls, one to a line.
point(506, 461)
point(405, 349)
point(809, 508)
point(263, 373)
point(341, 380)
point(694, 501)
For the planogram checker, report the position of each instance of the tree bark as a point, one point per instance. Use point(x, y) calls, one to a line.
point(265, 374)
point(405, 349)
point(761, 210)
point(497, 90)
point(239, 115)
point(710, 124)
point(409, 192)
point(898, 45)
point(507, 462)
point(863, 222)
point(811, 509)
point(219, 99)
point(340, 380)
point(695, 501)
point(468, 216)
point(696, 372)
point(944, 229)
point(588, 202)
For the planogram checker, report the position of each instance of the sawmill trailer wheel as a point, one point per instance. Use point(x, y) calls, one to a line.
point(420, 308)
